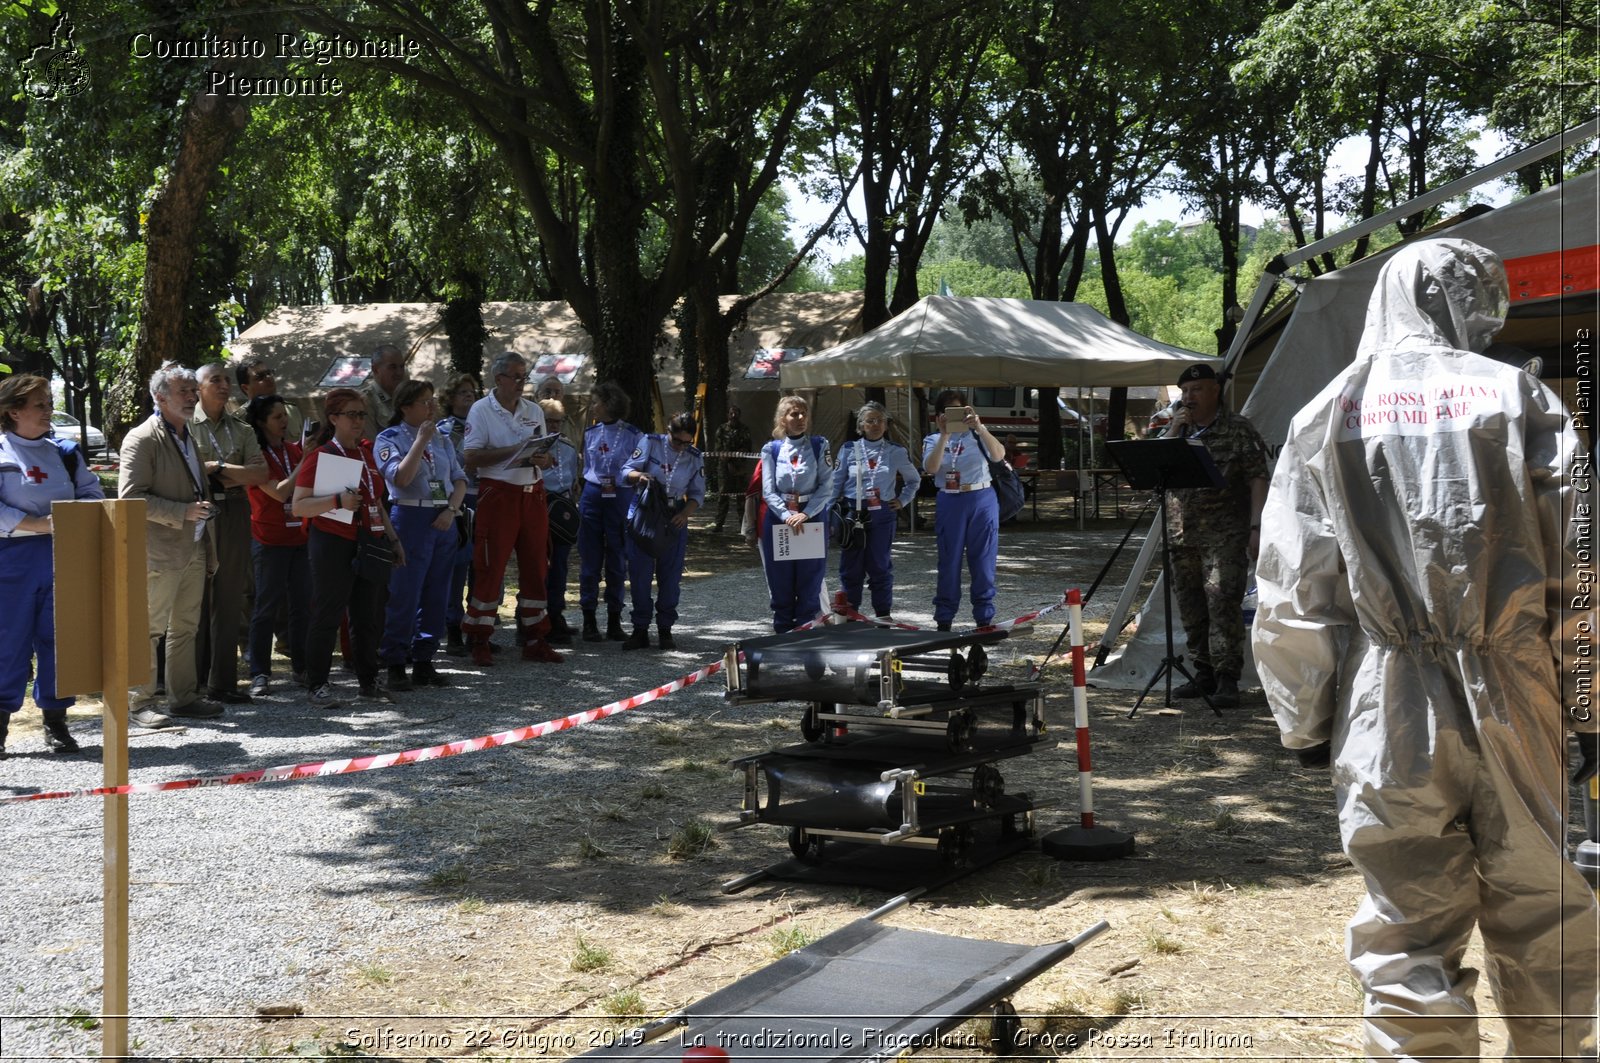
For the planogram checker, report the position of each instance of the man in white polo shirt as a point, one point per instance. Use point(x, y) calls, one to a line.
point(511, 514)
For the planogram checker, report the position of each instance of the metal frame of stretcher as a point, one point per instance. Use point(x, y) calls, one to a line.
point(863, 994)
point(946, 831)
point(953, 715)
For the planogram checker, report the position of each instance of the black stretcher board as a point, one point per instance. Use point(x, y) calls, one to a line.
point(926, 753)
point(865, 992)
point(894, 869)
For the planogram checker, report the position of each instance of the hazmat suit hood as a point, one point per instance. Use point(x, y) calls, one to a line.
point(1437, 293)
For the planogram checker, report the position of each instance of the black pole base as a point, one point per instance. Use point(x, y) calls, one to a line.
point(1087, 843)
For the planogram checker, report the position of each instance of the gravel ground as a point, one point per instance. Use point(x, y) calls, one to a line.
point(253, 896)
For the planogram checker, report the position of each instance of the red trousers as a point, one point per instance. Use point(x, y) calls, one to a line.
point(509, 517)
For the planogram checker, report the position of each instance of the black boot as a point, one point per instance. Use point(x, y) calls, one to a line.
point(56, 735)
point(5, 727)
point(453, 643)
point(398, 680)
point(591, 628)
point(560, 631)
point(666, 641)
point(1204, 682)
point(638, 640)
point(424, 674)
point(943, 625)
point(614, 628)
point(1227, 692)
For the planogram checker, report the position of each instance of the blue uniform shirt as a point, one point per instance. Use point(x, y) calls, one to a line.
point(682, 473)
point(455, 430)
point(33, 474)
point(800, 480)
point(606, 448)
point(965, 462)
point(559, 478)
point(437, 473)
point(879, 462)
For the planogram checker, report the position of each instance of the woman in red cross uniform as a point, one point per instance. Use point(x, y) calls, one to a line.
point(35, 470)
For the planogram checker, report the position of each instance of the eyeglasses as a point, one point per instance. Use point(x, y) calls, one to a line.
point(521, 378)
point(264, 374)
point(349, 413)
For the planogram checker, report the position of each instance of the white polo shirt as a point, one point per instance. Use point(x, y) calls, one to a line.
point(490, 426)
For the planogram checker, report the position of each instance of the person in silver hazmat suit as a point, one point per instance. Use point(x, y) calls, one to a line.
point(1420, 606)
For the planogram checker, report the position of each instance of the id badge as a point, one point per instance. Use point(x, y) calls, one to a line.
point(437, 492)
point(374, 518)
point(952, 480)
point(219, 495)
point(792, 503)
point(608, 487)
point(873, 500)
point(289, 519)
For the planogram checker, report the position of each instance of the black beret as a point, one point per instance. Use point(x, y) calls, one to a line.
point(1196, 372)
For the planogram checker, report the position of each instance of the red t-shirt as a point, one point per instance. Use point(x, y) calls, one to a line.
point(271, 521)
point(370, 512)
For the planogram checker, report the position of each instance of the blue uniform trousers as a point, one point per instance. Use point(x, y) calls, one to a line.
point(873, 561)
point(555, 580)
point(28, 623)
point(967, 526)
point(283, 579)
point(602, 544)
point(418, 589)
point(460, 573)
point(667, 571)
point(795, 587)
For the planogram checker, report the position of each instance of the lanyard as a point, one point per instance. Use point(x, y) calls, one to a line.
point(227, 430)
point(367, 494)
point(283, 459)
point(182, 447)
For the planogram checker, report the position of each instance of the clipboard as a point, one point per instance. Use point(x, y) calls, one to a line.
point(336, 474)
point(810, 545)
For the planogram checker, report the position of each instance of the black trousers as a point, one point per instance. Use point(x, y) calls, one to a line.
point(335, 588)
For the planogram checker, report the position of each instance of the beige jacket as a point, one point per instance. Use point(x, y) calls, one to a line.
point(153, 468)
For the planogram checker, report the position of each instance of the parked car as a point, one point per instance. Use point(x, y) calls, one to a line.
point(65, 426)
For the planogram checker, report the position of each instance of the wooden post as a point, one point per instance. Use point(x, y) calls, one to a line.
point(102, 605)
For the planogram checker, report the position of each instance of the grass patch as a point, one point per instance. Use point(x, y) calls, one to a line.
point(625, 1006)
point(669, 734)
point(1162, 945)
point(471, 905)
point(449, 878)
point(373, 974)
point(589, 849)
point(786, 939)
point(665, 907)
point(691, 839)
point(589, 957)
point(81, 1019)
point(653, 791)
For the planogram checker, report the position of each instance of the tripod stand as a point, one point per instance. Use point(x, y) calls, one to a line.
point(1164, 465)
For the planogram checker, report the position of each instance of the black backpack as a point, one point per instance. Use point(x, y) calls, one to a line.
point(1007, 489)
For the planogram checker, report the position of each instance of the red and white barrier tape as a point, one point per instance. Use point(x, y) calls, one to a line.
point(1080, 711)
point(350, 766)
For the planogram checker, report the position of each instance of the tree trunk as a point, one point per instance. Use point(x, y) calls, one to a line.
point(210, 125)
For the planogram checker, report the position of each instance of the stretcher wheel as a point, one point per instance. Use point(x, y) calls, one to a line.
point(955, 844)
point(1004, 1026)
point(988, 786)
point(810, 725)
point(957, 671)
point(958, 731)
point(977, 663)
point(1018, 824)
point(805, 846)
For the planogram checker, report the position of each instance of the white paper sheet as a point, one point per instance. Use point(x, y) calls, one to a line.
point(335, 474)
point(809, 544)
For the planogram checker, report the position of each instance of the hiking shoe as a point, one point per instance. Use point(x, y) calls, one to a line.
point(539, 650)
point(638, 640)
point(228, 696)
point(591, 628)
point(324, 698)
point(299, 679)
point(56, 735)
point(259, 685)
point(151, 719)
point(373, 692)
point(398, 680)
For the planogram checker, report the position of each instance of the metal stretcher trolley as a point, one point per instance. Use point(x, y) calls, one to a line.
point(866, 992)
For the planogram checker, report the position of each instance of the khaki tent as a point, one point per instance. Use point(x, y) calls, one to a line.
point(304, 343)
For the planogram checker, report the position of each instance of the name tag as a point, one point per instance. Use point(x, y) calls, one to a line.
point(289, 519)
point(437, 492)
point(952, 480)
point(374, 518)
point(608, 487)
point(792, 502)
point(873, 501)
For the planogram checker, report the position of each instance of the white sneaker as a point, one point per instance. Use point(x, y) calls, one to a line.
point(324, 698)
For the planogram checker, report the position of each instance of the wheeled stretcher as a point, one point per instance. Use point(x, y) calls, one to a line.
point(866, 992)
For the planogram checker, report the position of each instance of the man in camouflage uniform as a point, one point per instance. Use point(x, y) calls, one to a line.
point(1215, 534)
point(726, 476)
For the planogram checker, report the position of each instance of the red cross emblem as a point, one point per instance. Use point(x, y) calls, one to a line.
point(37, 475)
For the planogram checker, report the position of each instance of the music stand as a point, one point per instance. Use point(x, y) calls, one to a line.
point(1163, 465)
